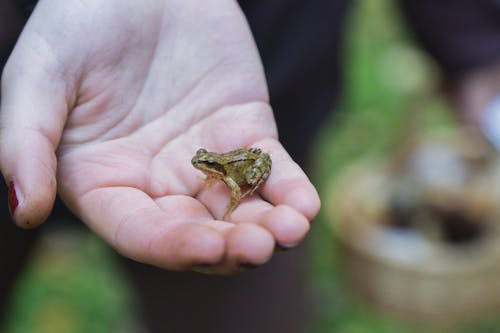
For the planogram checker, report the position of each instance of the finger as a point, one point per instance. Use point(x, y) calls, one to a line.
point(175, 236)
point(288, 184)
point(32, 114)
point(286, 225)
point(184, 208)
point(247, 246)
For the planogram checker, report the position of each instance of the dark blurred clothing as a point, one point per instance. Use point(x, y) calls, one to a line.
point(300, 43)
point(15, 244)
point(460, 34)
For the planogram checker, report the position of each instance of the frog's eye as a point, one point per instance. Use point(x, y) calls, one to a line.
point(201, 151)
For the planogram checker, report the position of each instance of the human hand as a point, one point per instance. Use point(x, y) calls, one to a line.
point(108, 101)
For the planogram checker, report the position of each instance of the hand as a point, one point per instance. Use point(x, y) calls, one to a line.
point(107, 101)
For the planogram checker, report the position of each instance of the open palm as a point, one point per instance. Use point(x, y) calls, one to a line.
point(108, 102)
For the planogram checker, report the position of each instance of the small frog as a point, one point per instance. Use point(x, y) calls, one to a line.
point(238, 168)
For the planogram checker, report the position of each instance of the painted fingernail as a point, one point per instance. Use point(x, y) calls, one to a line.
point(12, 197)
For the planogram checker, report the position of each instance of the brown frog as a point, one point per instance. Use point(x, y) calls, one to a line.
point(242, 168)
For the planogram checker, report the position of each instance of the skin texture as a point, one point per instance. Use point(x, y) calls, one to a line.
point(106, 102)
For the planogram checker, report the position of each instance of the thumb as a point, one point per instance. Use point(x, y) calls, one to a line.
point(32, 116)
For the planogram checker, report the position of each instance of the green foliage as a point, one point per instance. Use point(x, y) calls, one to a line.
point(72, 285)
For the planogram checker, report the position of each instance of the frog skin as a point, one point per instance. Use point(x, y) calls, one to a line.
point(247, 167)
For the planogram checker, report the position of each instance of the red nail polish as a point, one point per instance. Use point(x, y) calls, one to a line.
point(13, 202)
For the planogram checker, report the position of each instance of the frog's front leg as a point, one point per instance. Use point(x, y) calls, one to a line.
point(235, 196)
point(210, 179)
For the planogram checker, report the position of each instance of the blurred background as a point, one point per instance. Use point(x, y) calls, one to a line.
point(374, 275)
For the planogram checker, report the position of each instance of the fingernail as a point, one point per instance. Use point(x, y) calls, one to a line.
point(204, 268)
point(288, 246)
point(247, 265)
point(12, 197)
point(280, 248)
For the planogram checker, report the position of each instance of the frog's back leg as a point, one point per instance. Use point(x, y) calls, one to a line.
point(258, 173)
point(235, 197)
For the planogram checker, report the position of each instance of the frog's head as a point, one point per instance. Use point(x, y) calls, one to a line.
point(206, 161)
